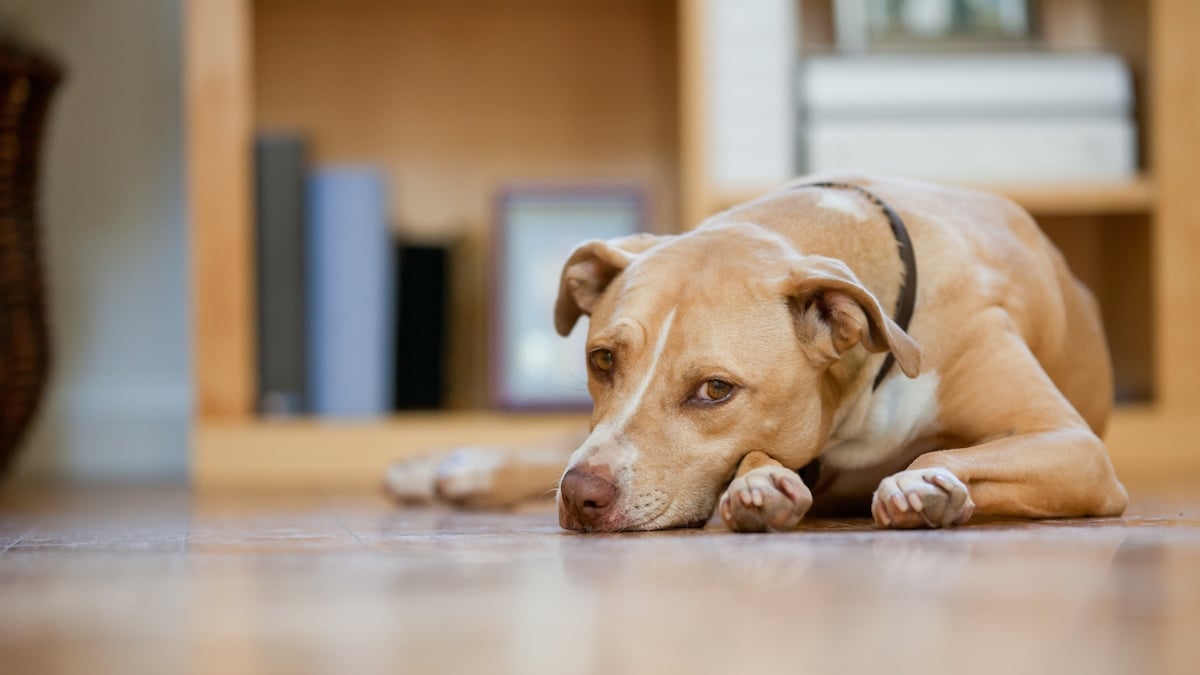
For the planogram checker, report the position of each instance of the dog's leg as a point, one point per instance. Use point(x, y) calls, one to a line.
point(1035, 456)
point(483, 477)
point(764, 495)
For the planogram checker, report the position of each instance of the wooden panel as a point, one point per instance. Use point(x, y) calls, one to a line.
point(217, 89)
point(817, 32)
point(1129, 320)
point(308, 455)
point(454, 98)
point(1176, 138)
point(1152, 448)
point(1112, 256)
point(1070, 25)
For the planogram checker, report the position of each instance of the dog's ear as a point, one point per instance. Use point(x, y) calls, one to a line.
point(590, 269)
point(834, 312)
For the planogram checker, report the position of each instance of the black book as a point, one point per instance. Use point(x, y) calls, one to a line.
point(279, 161)
point(421, 294)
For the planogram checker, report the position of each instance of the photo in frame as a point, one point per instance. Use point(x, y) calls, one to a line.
point(905, 25)
point(537, 227)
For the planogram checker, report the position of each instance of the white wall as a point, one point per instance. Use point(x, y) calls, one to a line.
point(114, 238)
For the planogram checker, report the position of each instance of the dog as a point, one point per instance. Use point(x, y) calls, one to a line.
point(844, 344)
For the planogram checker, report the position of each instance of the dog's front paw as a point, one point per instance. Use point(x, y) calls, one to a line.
point(769, 498)
point(932, 497)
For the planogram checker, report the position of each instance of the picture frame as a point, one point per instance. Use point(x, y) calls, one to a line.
point(951, 25)
point(537, 225)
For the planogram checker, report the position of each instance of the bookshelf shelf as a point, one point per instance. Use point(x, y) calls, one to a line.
point(320, 454)
point(551, 99)
point(1135, 196)
point(309, 455)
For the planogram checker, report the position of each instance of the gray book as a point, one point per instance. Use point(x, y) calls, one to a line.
point(279, 161)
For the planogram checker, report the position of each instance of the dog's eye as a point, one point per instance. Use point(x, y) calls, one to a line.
point(601, 360)
point(714, 391)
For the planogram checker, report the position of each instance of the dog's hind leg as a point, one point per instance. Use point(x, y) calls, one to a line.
point(1033, 455)
point(483, 477)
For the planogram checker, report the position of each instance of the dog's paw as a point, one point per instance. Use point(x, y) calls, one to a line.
point(769, 498)
point(932, 497)
point(467, 475)
point(464, 476)
point(411, 480)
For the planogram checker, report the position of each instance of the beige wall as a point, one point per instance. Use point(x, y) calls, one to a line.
point(114, 239)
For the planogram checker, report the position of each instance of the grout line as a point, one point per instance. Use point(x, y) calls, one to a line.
point(187, 531)
point(337, 519)
point(18, 540)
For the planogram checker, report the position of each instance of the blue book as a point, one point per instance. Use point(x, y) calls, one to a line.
point(350, 284)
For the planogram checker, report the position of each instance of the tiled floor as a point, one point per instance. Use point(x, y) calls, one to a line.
point(158, 582)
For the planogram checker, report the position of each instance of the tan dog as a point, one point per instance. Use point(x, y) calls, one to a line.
point(724, 360)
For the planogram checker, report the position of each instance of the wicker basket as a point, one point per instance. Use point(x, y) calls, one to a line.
point(27, 81)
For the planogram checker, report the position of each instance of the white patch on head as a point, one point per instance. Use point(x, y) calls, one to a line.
point(612, 448)
point(841, 202)
point(631, 406)
point(884, 423)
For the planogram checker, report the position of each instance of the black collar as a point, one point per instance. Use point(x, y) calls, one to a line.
point(908, 287)
point(811, 473)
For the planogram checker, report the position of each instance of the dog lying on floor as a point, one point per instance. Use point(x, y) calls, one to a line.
point(845, 343)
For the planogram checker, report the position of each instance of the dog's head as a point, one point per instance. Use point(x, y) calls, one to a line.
point(702, 348)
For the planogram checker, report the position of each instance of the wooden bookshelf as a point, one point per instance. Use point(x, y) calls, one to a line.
point(455, 97)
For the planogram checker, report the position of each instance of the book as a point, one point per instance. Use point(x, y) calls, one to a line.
point(749, 122)
point(421, 295)
point(350, 285)
point(971, 118)
point(979, 149)
point(887, 85)
point(279, 174)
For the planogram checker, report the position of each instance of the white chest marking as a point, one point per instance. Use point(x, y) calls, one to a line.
point(886, 422)
point(841, 202)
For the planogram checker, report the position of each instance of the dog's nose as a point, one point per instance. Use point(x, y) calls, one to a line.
point(587, 494)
